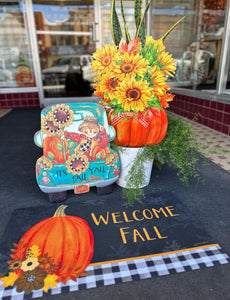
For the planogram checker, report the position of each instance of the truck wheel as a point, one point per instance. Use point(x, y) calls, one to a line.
point(58, 197)
point(104, 190)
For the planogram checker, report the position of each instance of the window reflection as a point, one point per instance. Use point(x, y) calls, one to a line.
point(16, 66)
point(65, 42)
point(195, 43)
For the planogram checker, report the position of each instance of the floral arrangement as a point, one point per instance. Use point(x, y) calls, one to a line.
point(31, 270)
point(131, 75)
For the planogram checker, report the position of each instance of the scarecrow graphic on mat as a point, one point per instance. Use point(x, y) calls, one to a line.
point(93, 140)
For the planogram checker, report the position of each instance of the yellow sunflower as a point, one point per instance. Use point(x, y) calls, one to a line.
point(159, 80)
point(61, 115)
point(108, 84)
point(133, 95)
point(167, 63)
point(77, 164)
point(45, 163)
point(105, 59)
point(30, 264)
point(132, 65)
point(111, 159)
point(48, 126)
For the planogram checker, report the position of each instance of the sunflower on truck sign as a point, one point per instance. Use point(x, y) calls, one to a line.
point(76, 149)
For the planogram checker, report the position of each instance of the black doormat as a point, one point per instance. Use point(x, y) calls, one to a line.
point(158, 237)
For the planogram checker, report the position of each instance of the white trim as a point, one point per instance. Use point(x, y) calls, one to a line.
point(34, 48)
point(225, 55)
point(64, 32)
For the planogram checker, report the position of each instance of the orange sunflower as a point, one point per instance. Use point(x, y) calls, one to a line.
point(165, 99)
point(132, 65)
point(159, 80)
point(133, 95)
point(108, 85)
point(105, 59)
point(167, 63)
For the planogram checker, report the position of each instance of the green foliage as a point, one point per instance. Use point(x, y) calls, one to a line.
point(126, 29)
point(115, 26)
point(178, 149)
point(139, 21)
point(140, 32)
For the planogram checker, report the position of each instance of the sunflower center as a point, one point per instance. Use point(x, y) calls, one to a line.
point(127, 67)
point(61, 115)
point(113, 84)
point(106, 60)
point(77, 164)
point(51, 127)
point(31, 278)
point(134, 93)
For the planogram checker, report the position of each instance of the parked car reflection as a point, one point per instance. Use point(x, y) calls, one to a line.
point(77, 64)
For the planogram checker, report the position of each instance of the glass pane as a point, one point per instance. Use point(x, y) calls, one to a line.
point(65, 35)
point(16, 65)
point(195, 43)
point(106, 16)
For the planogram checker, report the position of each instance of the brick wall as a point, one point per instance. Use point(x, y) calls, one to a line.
point(19, 100)
point(213, 114)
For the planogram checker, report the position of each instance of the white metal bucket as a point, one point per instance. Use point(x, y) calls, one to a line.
point(127, 159)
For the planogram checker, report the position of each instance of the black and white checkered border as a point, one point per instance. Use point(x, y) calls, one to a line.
point(129, 270)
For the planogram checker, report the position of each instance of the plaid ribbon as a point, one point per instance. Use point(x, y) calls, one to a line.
point(143, 117)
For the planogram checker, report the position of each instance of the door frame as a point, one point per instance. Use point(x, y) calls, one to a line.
point(36, 59)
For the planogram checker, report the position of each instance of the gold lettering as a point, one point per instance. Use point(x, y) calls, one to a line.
point(145, 215)
point(169, 209)
point(135, 217)
point(126, 218)
point(155, 211)
point(135, 234)
point(123, 234)
point(116, 215)
point(101, 218)
point(147, 235)
point(158, 233)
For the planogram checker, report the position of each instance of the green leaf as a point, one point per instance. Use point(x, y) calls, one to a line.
point(51, 155)
point(126, 29)
point(171, 29)
point(154, 103)
point(115, 26)
point(59, 147)
point(137, 12)
point(70, 145)
point(140, 33)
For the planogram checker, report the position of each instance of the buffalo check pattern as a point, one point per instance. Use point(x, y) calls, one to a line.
point(108, 273)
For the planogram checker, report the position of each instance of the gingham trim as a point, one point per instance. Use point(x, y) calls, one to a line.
point(141, 117)
point(133, 269)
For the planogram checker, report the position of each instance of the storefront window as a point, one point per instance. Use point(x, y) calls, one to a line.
point(16, 64)
point(65, 35)
point(195, 43)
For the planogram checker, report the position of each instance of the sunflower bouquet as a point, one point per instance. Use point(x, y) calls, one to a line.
point(131, 80)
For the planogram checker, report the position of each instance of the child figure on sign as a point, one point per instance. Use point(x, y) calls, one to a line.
point(93, 140)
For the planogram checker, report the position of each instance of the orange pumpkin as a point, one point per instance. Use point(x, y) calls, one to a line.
point(25, 80)
point(137, 130)
point(52, 149)
point(68, 240)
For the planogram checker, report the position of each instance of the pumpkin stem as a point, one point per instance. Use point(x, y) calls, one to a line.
point(60, 211)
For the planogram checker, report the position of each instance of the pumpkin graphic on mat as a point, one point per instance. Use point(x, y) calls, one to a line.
point(139, 129)
point(68, 240)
